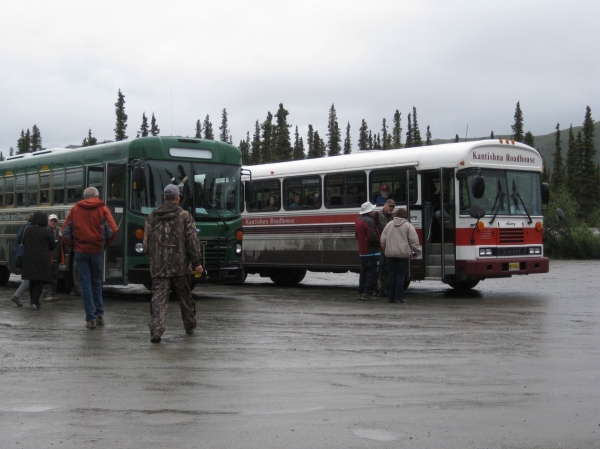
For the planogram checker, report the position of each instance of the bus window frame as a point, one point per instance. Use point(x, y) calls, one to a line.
point(9, 179)
point(344, 189)
point(55, 188)
point(73, 199)
point(43, 175)
point(272, 187)
point(398, 176)
point(307, 185)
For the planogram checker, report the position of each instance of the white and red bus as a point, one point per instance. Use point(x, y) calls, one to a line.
point(476, 206)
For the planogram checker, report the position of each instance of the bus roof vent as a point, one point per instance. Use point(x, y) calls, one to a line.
point(18, 156)
point(39, 153)
point(189, 140)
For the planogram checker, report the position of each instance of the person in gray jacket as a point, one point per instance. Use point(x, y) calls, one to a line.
point(399, 242)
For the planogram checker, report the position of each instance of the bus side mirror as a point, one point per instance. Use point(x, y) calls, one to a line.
point(248, 193)
point(477, 212)
point(478, 186)
point(139, 179)
point(545, 193)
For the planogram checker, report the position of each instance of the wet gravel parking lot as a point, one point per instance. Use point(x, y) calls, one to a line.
point(513, 364)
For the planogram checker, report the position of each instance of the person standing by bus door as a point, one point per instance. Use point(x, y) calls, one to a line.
point(367, 236)
point(57, 259)
point(171, 242)
point(386, 215)
point(90, 228)
point(400, 242)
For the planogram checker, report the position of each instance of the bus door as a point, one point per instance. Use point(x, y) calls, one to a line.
point(111, 185)
point(439, 252)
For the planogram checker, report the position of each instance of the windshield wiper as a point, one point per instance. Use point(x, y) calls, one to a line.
point(516, 198)
point(212, 206)
point(499, 201)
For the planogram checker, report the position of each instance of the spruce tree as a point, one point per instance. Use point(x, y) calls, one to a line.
point(558, 175)
point(333, 133)
point(417, 141)
point(370, 144)
point(36, 139)
point(224, 134)
point(121, 126)
point(347, 141)
point(572, 165)
point(428, 135)
point(492, 135)
point(208, 129)
point(11, 151)
point(363, 136)
point(198, 134)
point(154, 129)
point(319, 145)
point(266, 150)
point(529, 139)
point(310, 141)
point(298, 147)
point(143, 132)
point(589, 183)
point(517, 128)
point(409, 134)
point(256, 144)
point(24, 142)
point(384, 135)
point(89, 140)
point(397, 131)
point(456, 139)
point(1, 156)
point(282, 147)
point(245, 150)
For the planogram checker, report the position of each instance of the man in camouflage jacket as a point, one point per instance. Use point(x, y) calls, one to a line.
point(173, 249)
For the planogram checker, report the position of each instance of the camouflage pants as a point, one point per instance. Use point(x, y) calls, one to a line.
point(162, 289)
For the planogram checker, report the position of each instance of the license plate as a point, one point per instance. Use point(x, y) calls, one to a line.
point(514, 266)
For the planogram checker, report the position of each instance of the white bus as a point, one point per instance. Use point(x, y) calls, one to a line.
point(476, 206)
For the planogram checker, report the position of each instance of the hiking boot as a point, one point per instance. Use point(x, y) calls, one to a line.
point(155, 338)
point(17, 301)
point(91, 324)
point(100, 320)
point(35, 307)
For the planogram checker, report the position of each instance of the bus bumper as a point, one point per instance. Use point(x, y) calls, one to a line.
point(497, 268)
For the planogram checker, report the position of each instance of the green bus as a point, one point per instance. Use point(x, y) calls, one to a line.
point(130, 176)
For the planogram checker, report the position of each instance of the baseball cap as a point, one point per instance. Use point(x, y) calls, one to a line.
point(384, 187)
point(52, 217)
point(171, 189)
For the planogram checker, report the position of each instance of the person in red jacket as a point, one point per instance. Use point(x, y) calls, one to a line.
point(90, 228)
point(367, 237)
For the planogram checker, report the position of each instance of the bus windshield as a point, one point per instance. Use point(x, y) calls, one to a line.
point(507, 192)
point(208, 191)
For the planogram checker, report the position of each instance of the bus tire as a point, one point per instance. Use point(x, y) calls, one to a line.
point(4, 275)
point(287, 276)
point(464, 285)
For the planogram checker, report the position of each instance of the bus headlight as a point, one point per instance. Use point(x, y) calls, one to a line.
point(139, 248)
point(535, 250)
point(486, 252)
point(238, 249)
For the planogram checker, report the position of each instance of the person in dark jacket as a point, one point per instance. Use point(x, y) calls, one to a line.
point(367, 237)
point(90, 228)
point(57, 259)
point(24, 285)
point(37, 256)
point(171, 242)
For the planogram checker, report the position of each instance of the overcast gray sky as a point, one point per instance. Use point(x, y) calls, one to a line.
point(460, 63)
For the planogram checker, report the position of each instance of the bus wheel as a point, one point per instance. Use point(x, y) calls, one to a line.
point(285, 276)
point(463, 285)
point(4, 275)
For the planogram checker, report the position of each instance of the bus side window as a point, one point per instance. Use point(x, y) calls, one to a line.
point(45, 188)
point(10, 192)
point(58, 187)
point(74, 185)
point(21, 196)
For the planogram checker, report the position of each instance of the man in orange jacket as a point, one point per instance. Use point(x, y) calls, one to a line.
point(90, 227)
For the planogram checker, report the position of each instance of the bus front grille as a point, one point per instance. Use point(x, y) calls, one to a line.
point(511, 236)
point(214, 253)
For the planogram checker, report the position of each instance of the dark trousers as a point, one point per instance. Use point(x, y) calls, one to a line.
point(368, 274)
point(384, 272)
point(161, 291)
point(35, 291)
point(398, 267)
